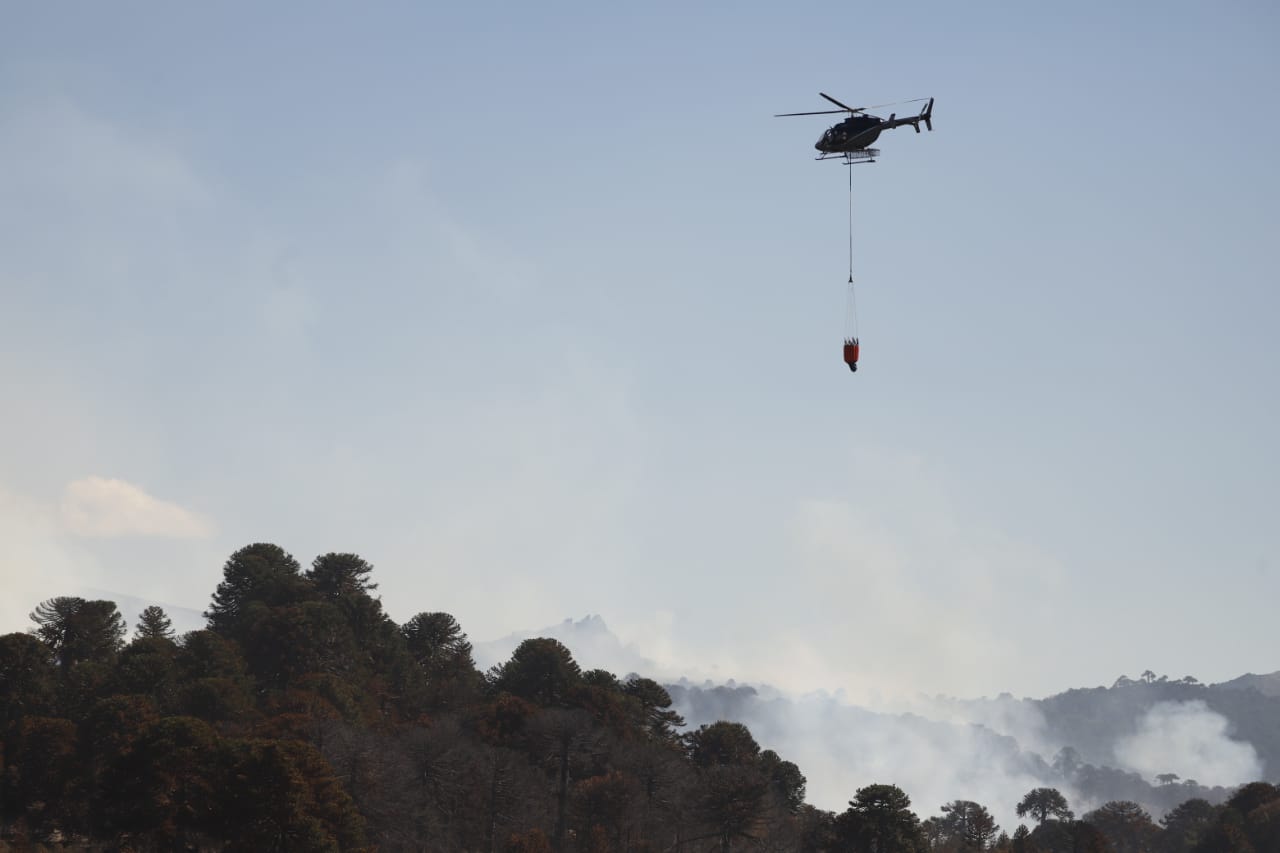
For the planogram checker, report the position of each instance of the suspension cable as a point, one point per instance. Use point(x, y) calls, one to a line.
point(850, 168)
point(851, 313)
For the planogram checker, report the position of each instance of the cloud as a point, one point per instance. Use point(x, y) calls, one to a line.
point(109, 508)
point(1188, 739)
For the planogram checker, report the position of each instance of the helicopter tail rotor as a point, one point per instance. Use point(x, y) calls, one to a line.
point(927, 115)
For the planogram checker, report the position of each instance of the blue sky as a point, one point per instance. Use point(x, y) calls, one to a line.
point(539, 310)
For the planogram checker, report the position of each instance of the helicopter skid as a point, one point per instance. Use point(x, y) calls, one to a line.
point(866, 155)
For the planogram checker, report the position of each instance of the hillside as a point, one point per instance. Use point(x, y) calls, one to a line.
point(301, 713)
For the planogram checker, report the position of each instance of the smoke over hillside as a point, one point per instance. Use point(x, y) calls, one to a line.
point(1190, 740)
point(1094, 745)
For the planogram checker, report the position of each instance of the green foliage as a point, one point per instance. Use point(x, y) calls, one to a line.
point(290, 641)
point(879, 820)
point(1248, 823)
point(602, 679)
point(785, 779)
point(254, 579)
point(966, 826)
point(1186, 824)
point(304, 718)
point(153, 624)
point(441, 653)
point(1126, 825)
point(27, 678)
point(605, 803)
point(231, 737)
point(148, 666)
point(1044, 803)
point(541, 671)
point(731, 800)
point(1252, 795)
point(40, 773)
point(79, 631)
point(286, 797)
point(722, 744)
point(164, 789)
point(653, 707)
point(337, 576)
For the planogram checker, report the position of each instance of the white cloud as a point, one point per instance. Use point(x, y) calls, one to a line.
point(103, 507)
point(1189, 739)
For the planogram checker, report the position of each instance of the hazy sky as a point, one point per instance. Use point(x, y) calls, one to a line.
point(538, 309)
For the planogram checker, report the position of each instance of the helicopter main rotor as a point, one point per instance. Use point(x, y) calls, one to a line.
point(845, 108)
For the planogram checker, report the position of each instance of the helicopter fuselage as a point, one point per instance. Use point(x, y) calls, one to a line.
point(853, 134)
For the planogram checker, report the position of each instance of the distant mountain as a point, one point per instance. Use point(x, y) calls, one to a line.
point(1267, 685)
point(593, 645)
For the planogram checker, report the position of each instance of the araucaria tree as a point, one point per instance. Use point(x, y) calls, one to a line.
point(1044, 803)
point(879, 820)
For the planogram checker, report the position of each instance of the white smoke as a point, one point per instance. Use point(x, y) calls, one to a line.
point(841, 748)
point(1188, 739)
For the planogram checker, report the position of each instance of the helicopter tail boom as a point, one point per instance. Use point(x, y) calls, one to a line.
point(926, 116)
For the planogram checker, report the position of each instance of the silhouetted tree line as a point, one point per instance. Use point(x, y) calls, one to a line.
point(303, 718)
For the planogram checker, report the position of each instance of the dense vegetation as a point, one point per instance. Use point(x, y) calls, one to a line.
point(303, 718)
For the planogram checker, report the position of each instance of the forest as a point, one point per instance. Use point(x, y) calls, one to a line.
point(302, 717)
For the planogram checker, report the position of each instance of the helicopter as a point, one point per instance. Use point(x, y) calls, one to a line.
point(849, 140)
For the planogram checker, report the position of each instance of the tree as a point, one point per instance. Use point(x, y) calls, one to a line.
point(437, 643)
point(1125, 824)
point(1249, 822)
point(541, 670)
point(154, 624)
point(287, 643)
point(654, 708)
point(729, 801)
point(785, 779)
point(605, 803)
point(879, 820)
point(659, 769)
point(1249, 797)
point(340, 575)
point(602, 679)
point(108, 733)
point(722, 743)
point(287, 798)
point(1186, 824)
point(434, 638)
point(1043, 803)
point(561, 740)
point(148, 666)
point(78, 630)
point(967, 825)
point(1086, 838)
point(255, 578)
point(163, 790)
point(27, 679)
point(40, 774)
point(1167, 778)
